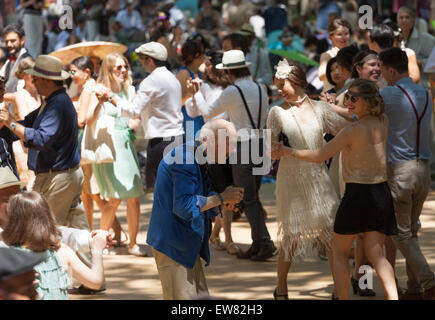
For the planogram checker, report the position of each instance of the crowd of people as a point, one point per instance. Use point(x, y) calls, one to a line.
point(340, 116)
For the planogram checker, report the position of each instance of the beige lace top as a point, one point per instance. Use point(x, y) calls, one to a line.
point(365, 165)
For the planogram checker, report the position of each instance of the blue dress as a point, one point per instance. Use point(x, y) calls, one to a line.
point(53, 279)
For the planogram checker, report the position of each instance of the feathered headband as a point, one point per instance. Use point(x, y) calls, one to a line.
point(283, 69)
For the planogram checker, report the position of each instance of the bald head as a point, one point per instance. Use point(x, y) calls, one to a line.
point(219, 137)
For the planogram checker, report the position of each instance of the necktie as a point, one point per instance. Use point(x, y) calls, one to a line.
point(12, 58)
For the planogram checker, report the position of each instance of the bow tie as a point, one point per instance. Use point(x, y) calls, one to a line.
point(12, 58)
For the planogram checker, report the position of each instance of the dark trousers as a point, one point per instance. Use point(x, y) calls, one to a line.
point(155, 154)
point(243, 177)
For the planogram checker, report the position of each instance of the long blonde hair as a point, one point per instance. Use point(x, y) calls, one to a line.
point(106, 77)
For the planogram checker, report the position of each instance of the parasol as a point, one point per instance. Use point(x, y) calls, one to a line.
point(98, 49)
point(295, 56)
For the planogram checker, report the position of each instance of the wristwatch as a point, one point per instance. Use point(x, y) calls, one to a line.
point(13, 125)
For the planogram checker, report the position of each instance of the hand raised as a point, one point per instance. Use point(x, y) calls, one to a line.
point(233, 194)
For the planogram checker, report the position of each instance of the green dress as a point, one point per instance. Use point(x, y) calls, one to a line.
point(53, 279)
point(120, 179)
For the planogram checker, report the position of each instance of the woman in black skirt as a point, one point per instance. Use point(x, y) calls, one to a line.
point(367, 205)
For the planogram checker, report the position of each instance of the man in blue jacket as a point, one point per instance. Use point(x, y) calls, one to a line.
point(181, 217)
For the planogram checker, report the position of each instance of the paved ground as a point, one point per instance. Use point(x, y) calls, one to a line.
point(134, 278)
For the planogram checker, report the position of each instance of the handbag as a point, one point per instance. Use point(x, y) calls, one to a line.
point(97, 144)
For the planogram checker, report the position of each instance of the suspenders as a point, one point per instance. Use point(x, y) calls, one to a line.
point(419, 118)
point(247, 108)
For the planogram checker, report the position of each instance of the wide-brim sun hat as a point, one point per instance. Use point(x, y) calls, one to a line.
point(233, 59)
point(98, 49)
point(48, 67)
point(9, 179)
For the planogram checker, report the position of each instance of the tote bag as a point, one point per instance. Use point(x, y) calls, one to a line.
point(97, 144)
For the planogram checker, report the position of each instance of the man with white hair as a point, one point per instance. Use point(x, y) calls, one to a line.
point(180, 222)
point(246, 104)
point(158, 102)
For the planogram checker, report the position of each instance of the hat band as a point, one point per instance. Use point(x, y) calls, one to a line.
point(234, 64)
point(47, 73)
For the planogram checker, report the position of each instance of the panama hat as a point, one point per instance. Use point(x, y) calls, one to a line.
point(48, 67)
point(9, 179)
point(246, 30)
point(233, 59)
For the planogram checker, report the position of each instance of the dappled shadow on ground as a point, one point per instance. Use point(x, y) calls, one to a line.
point(130, 277)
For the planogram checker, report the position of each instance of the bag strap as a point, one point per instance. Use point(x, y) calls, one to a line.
point(419, 117)
point(247, 108)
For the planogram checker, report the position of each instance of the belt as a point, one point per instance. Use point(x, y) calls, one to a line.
point(50, 171)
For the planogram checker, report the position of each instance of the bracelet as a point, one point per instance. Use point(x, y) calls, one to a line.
point(96, 253)
point(220, 198)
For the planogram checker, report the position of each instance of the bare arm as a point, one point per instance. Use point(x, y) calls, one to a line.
point(93, 277)
point(182, 77)
point(413, 69)
point(324, 58)
point(84, 100)
point(343, 139)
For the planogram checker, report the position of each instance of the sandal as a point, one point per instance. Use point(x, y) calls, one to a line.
point(233, 248)
point(120, 243)
point(277, 296)
point(218, 245)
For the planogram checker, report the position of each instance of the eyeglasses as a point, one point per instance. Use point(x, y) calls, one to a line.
point(119, 68)
point(72, 72)
point(352, 98)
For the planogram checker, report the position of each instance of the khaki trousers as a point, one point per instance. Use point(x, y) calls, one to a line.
point(62, 191)
point(409, 182)
point(178, 281)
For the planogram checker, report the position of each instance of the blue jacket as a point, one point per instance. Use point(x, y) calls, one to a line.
point(177, 227)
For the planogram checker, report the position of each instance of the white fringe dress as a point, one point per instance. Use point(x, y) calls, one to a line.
point(306, 200)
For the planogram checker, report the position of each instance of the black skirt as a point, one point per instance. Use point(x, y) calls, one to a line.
point(364, 208)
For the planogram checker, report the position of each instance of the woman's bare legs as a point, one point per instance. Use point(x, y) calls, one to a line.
point(283, 268)
point(390, 251)
point(88, 203)
point(360, 257)
point(133, 215)
point(108, 214)
point(226, 219)
point(341, 274)
point(373, 244)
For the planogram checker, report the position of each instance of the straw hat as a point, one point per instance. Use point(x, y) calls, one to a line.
point(48, 67)
point(8, 178)
point(233, 59)
point(98, 49)
point(246, 30)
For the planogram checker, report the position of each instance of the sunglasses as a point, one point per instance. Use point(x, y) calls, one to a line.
point(352, 98)
point(71, 72)
point(119, 68)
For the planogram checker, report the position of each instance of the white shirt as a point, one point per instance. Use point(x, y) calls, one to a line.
point(231, 102)
point(209, 93)
point(128, 21)
point(158, 102)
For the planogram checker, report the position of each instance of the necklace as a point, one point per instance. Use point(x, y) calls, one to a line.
point(300, 100)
